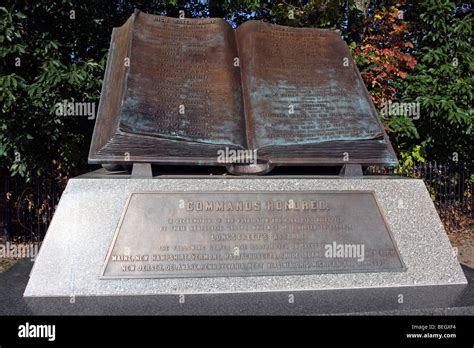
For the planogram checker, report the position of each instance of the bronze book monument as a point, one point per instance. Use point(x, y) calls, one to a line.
point(197, 92)
point(181, 91)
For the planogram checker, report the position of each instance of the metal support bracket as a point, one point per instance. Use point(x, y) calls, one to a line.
point(351, 171)
point(142, 170)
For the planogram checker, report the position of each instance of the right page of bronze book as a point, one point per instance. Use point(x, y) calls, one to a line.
point(304, 98)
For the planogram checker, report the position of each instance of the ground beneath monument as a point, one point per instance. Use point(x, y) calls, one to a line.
point(5, 264)
point(465, 243)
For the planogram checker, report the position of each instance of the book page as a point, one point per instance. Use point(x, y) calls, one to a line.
point(182, 84)
point(300, 86)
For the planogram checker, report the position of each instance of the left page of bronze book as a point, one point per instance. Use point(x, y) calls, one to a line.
point(171, 92)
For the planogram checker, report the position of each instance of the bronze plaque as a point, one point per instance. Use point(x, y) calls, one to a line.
point(220, 234)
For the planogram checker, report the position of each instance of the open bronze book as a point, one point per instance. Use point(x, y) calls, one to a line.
point(182, 91)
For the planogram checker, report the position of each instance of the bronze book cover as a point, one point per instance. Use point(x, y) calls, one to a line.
point(181, 91)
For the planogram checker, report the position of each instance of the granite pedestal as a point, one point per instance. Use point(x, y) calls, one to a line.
point(74, 250)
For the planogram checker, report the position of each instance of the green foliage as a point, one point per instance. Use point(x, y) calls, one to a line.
point(384, 58)
point(55, 51)
point(411, 157)
point(41, 67)
point(442, 82)
point(336, 14)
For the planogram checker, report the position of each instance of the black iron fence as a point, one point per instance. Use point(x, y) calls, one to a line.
point(26, 209)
